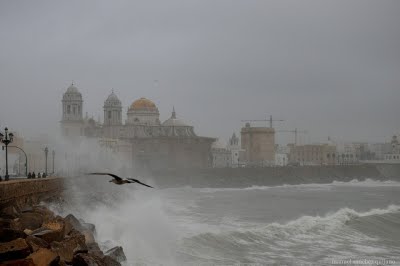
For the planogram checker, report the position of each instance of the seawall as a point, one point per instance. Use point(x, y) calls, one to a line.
point(25, 192)
point(272, 176)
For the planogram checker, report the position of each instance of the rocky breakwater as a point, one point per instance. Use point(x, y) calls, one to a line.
point(35, 236)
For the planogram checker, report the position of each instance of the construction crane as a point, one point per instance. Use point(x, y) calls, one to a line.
point(270, 120)
point(295, 131)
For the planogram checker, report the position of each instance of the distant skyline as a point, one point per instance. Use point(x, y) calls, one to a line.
point(328, 67)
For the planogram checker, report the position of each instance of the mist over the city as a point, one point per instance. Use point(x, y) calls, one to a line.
point(176, 133)
point(330, 68)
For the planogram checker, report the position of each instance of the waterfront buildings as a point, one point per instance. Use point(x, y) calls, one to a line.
point(220, 155)
point(282, 155)
point(153, 144)
point(313, 154)
point(258, 144)
point(394, 155)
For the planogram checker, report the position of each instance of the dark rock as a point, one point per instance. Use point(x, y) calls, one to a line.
point(9, 212)
point(51, 231)
point(5, 223)
point(86, 259)
point(66, 248)
point(71, 222)
point(7, 234)
point(27, 220)
point(116, 253)
point(81, 249)
point(46, 213)
point(63, 263)
point(45, 257)
point(35, 243)
point(94, 249)
point(15, 249)
point(48, 235)
point(26, 209)
point(110, 261)
point(22, 262)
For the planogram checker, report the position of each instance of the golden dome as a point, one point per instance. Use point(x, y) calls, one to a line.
point(142, 103)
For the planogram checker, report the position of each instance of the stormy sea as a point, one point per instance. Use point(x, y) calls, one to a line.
point(307, 224)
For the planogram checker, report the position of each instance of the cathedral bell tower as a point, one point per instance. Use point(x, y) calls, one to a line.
point(72, 119)
point(112, 116)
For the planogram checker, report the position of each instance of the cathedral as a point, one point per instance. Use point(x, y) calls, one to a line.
point(152, 144)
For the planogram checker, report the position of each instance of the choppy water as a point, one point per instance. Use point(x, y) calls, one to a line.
point(285, 225)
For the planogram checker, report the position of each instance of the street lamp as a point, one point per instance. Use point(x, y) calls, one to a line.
point(8, 138)
point(53, 153)
point(46, 152)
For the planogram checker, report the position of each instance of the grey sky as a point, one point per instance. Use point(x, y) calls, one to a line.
point(329, 67)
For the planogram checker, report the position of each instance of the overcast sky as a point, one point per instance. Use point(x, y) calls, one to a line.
point(329, 67)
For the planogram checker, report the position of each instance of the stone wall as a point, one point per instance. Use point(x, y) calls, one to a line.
point(25, 192)
point(273, 176)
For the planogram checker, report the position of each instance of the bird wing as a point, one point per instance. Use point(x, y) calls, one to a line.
point(115, 176)
point(137, 181)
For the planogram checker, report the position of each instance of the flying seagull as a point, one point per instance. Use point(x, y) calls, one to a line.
point(119, 181)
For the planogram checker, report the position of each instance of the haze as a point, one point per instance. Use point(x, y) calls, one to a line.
point(329, 67)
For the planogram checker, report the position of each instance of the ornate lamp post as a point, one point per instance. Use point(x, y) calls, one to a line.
point(7, 138)
point(46, 152)
point(53, 153)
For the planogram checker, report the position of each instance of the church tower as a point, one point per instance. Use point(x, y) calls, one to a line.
point(72, 119)
point(235, 149)
point(112, 116)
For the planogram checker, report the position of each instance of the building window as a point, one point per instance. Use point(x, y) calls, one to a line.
point(68, 109)
point(74, 109)
point(109, 114)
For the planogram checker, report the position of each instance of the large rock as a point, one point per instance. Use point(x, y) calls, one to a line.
point(86, 259)
point(89, 238)
point(110, 261)
point(51, 231)
point(72, 244)
point(71, 222)
point(15, 249)
point(45, 257)
point(90, 227)
point(36, 243)
point(22, 262)
point(48, 235)
point(28, 220)
point(46, 213)
point(57, 224)
point(7, 234)
point(26, 209)
point(5, 223)
point(9, 212)
point(94, 249)
point(117, 253)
